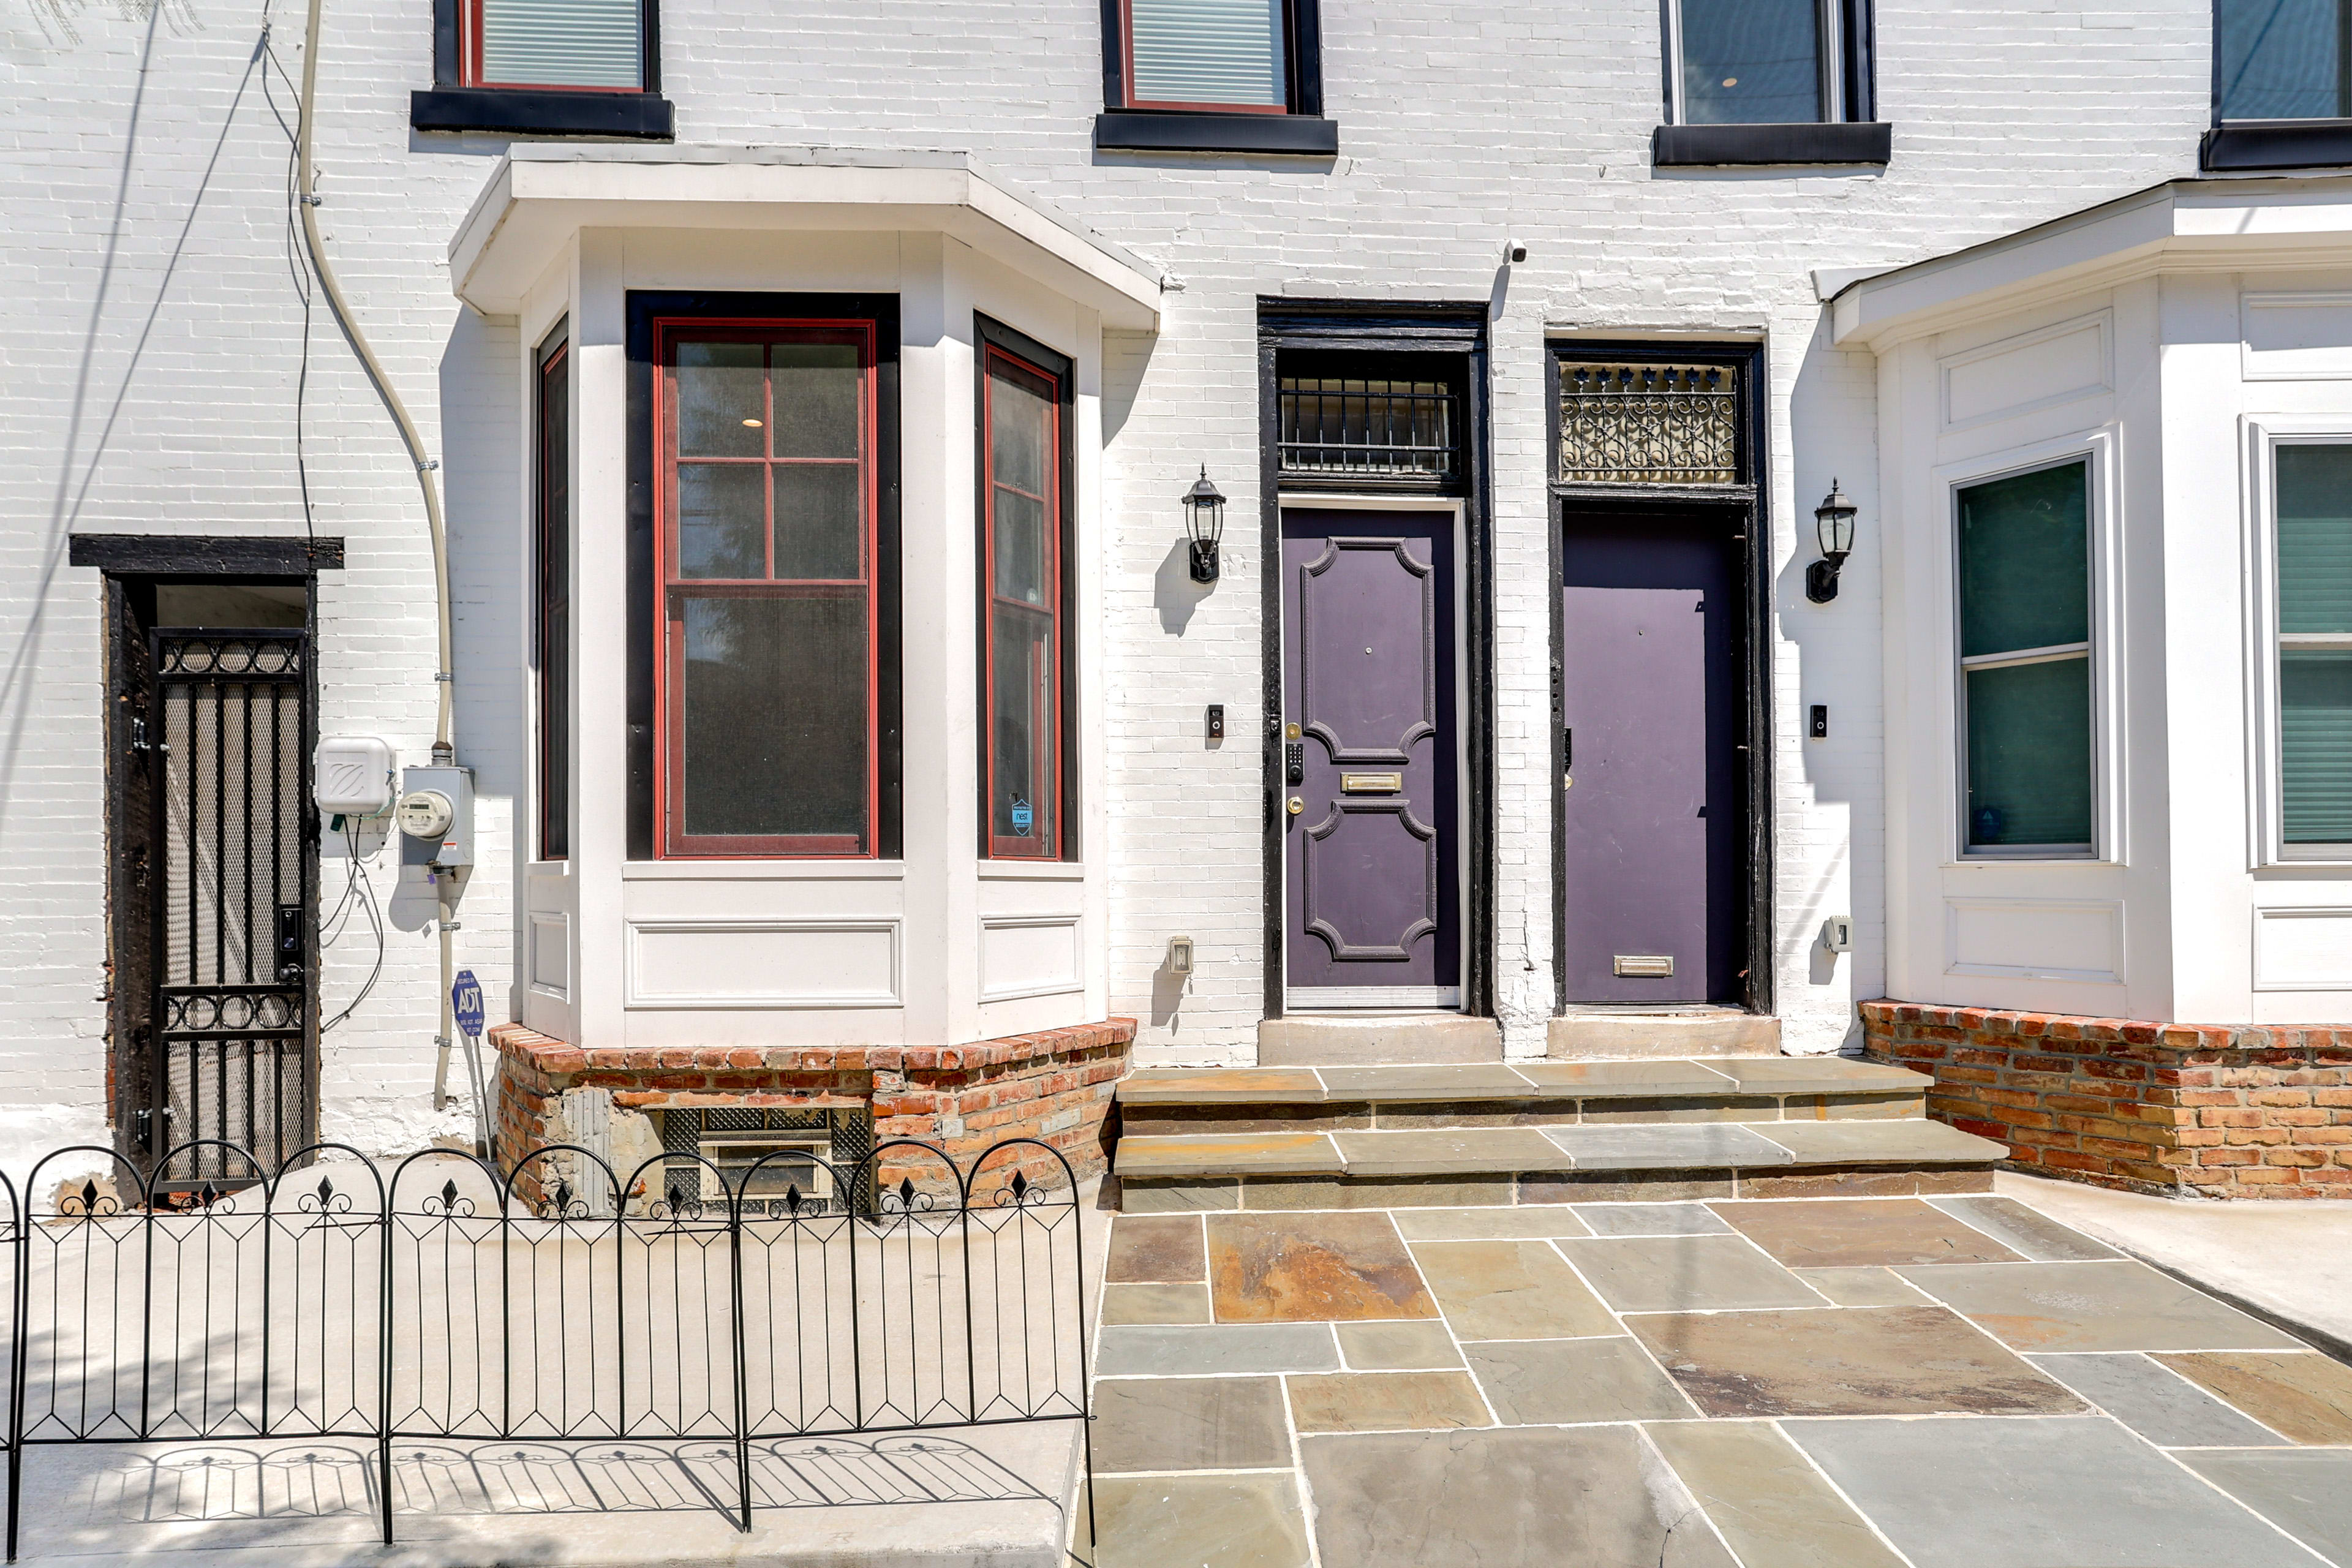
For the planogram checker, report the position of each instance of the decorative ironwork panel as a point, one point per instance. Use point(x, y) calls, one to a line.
point(1350, 427)
point(1648, 424)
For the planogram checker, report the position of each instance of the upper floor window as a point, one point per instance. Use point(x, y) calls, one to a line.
point(1769, 82)
point(1212, 75)
point(546, 68)
point(2283, 59)
point(556, 43)
point(765, 538)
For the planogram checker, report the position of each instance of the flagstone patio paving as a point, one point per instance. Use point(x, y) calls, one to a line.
point(1832, 1383)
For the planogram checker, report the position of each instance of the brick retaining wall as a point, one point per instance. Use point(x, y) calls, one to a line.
point(1053, 1086)
point(2262, 1112)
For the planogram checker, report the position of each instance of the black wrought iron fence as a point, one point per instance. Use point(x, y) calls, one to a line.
point(553, 1302)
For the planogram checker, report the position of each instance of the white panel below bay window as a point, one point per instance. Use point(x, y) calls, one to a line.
point(1030, 956)
point(2303, 950)
point(763, 964)
point(2035, 939)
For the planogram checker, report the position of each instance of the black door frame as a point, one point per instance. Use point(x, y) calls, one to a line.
point(133, 566)
point(1742, 507)
point(1369, 327)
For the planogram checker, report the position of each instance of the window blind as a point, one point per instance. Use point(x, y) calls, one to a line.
point(561, 43)
point(1208, 52)
point(2314, 605)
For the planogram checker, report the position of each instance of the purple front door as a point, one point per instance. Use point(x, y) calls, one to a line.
point(1653, 835)
point(1370, 785)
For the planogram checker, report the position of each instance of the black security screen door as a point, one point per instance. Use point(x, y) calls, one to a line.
point(226, 1047)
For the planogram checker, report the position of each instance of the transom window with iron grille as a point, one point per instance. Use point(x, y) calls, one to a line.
point(1648, 424)
point(1368, 428)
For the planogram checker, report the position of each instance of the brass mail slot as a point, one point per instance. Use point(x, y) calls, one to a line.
point(1645, 966)
point(1371, 783)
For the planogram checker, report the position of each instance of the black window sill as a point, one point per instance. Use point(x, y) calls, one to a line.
point(1869, 142)
point(1178, 131)
point(2277, 144)
point(543, 111)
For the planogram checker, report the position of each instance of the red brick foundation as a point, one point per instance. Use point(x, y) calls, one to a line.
point(2264, 1111)
point(1053, 1086)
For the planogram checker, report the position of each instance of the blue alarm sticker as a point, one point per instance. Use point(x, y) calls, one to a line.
point(466, 1001)
point(1025, 818)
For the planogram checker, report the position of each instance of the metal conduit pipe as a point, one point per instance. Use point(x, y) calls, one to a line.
point(445, 750)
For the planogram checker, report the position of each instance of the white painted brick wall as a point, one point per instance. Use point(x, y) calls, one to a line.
point(147, 381)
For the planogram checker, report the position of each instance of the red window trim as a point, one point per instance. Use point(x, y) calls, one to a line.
point(469, 72)
point(1126, 55)
point(552, 778)
point(670, 843)
point(1036, 846)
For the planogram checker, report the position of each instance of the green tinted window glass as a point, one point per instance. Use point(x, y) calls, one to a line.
point(2315, 537)
point(2029, 728)
point(2315, 745)
point(2025, 562)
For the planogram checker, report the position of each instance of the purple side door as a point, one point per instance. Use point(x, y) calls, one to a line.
point(1369, 798)
point(1653, 835)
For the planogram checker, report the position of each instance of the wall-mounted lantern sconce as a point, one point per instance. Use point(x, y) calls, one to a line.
point(1833, 522)
point(1205, 525)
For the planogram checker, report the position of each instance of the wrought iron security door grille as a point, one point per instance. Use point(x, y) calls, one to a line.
point(1353, 427)
point(229, 1054)
point(1648, 424)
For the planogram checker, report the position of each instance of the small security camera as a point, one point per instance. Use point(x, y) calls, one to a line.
point(1514, 251)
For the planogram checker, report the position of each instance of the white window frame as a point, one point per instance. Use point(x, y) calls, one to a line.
point(2095, 450)
point(1830, 66)
point(2265, 731)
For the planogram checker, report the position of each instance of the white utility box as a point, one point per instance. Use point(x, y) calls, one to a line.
point(351, 775)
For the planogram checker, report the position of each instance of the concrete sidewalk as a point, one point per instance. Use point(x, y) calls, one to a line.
point(2290, 1262)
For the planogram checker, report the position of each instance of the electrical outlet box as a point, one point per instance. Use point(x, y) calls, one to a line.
point(1837, 933)
point(351, 775)
point(435, 813)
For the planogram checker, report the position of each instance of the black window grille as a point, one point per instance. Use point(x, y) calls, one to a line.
point(1368, 428)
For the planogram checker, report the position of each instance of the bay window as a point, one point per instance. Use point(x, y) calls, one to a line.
point(2313, 577)
point(767, 545)
point(553, 641)
point(1025, 673)
point(2023, 572)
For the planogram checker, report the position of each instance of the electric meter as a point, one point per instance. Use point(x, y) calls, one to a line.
point(437, 817)
point(424, 813)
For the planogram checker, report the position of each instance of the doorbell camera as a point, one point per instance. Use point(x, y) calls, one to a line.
point(1837, 933)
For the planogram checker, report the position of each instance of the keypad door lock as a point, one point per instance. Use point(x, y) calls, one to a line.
point(1293, 762)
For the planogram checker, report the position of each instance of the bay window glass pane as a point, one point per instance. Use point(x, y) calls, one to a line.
point(1020, 565)
point(1025, 788)
point(721, 521)
point(555, 607)
point(1750, 62)
point(817, 387)
point(2025, 562)
point(721, 400)
point(820, 522)
point(1207, 52)
point(2029, 754)
point(773, 726)
point(561, 43)
point(2280, 59)
point(2315, 745)
point(2315, 537)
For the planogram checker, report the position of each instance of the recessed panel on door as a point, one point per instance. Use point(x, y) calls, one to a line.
point(1369, 775)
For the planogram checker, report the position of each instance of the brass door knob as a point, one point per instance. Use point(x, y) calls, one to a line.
point(1297, 805)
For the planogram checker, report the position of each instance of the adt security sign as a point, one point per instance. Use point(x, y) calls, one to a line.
point(466, 1001)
